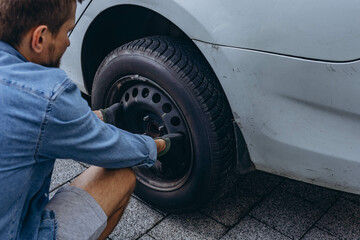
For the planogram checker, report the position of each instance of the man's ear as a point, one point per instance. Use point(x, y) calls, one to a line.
point(39, 38)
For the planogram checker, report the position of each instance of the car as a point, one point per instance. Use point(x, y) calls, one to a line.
point(269, 85)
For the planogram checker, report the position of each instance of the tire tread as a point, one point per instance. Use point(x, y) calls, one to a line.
point(189, 64)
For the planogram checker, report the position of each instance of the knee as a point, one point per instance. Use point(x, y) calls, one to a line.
point(131, 178)
point(124, 182)
point(127, 178)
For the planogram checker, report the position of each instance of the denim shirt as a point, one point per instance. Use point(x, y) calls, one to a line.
point(43, 117)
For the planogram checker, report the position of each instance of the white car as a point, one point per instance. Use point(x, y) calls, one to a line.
point(250, 84)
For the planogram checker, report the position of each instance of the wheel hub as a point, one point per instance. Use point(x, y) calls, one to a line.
point(149, 110)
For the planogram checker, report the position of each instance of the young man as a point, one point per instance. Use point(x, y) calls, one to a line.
point(43, 117)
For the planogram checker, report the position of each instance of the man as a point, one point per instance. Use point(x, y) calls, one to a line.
point(43, 117)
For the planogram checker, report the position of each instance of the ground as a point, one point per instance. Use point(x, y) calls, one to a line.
point(257, 206)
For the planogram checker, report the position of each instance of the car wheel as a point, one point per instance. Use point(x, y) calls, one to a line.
point(166, 86)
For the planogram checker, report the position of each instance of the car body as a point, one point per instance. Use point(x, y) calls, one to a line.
point(290, 71)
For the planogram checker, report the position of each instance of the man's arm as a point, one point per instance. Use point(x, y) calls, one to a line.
point(72, 131)
point(160, 143)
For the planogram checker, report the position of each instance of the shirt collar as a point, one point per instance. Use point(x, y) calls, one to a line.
point(5, 47)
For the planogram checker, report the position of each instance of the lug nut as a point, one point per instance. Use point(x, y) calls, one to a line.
point(146, 118)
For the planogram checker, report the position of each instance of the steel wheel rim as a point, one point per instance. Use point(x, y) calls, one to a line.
point(150, 110)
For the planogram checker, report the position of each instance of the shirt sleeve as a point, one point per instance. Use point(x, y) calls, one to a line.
point(71, 130)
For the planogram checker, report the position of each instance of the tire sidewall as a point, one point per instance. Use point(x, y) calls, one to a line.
point(124, 63)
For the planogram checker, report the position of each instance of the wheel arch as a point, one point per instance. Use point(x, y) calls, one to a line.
point(104, 31)
point(116, 26)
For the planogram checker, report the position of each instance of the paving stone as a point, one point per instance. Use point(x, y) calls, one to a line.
point(319, 196)
point(342, 220)
point(315, 234)
point(233, 206)
point(52, 193)
point(194, 226)
point(251, 229)
point(161, 211)
point(85, 164)
point(291, 212)
point(352, 197)
point(287, 213)
point(138, 218)
point(146, 237)
point(64, 170)
point(260, 183)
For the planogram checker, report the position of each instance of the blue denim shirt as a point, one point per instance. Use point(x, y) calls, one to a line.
point(43, 117)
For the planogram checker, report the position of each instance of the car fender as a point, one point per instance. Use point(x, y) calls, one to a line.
point(306, 29)
point(324, 30)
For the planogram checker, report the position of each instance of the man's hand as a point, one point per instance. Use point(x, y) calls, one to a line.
point(99, 114)
point(113, 113)
point(160, 145)
point(163, 143)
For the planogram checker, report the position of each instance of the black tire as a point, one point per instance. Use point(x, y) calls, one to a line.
point(167, 87)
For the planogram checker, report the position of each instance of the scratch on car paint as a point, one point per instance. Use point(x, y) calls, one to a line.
point(330, 68)
point(347, 72)
point(354, 69)
point(330, 172)
point(268, 129)
point(236, 115)
point(216, 47)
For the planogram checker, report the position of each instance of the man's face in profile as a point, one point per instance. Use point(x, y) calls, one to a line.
point(60, 42)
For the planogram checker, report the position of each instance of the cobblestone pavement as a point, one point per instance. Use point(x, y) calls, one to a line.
point(261, 206)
